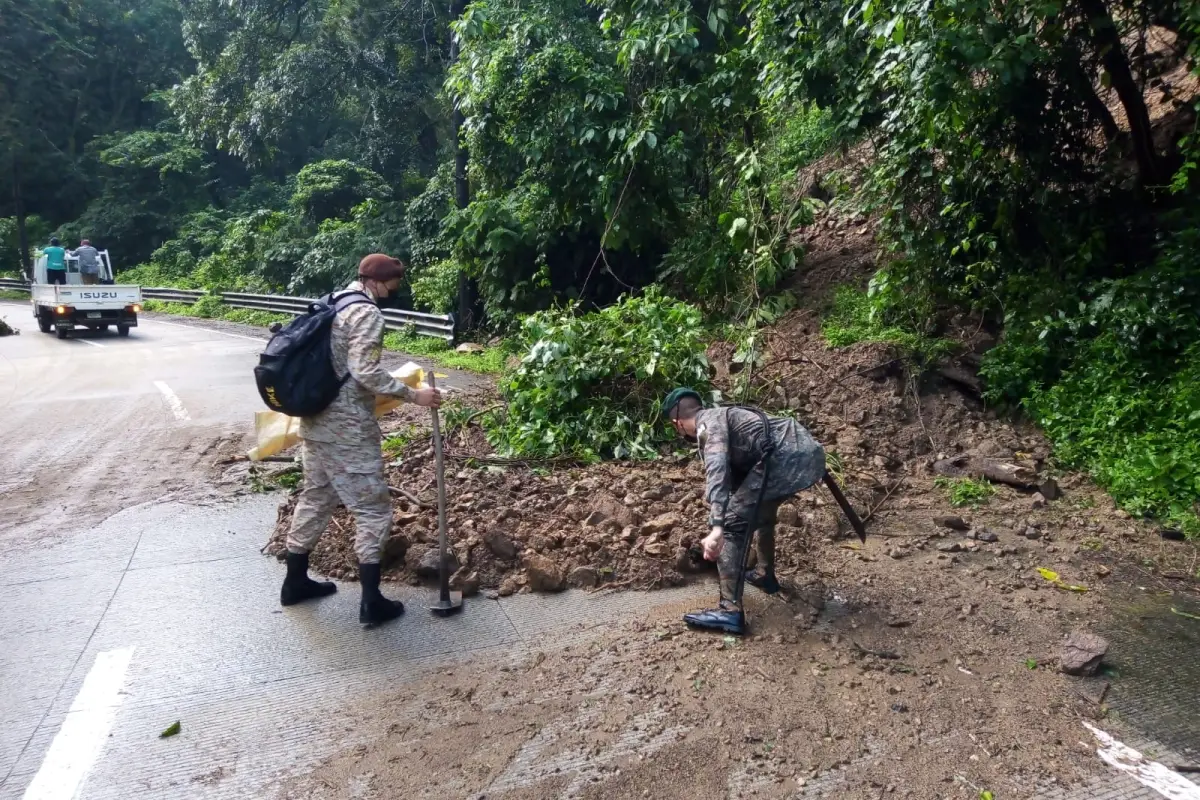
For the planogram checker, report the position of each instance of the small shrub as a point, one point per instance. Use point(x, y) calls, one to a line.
point(883, 314)
point(591, 385)
point(966, 491)
point(435, 287)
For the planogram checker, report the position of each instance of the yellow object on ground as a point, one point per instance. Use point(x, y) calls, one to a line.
point(275, 432)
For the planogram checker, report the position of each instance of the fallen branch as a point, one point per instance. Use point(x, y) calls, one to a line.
point(412, 498)
point(265, 460)
point(884, 654)
point(871, 511)
point(481, 412)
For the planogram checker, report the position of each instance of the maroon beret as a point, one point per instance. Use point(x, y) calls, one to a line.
point(382, 268)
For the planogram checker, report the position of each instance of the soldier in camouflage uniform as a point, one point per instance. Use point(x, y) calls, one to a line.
point(752, 464)
point(343, 459)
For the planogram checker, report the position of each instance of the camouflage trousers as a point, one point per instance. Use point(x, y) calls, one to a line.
point(342, 473)
point(796, 464)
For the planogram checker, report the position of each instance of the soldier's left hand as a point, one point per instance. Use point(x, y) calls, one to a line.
point(429, 398)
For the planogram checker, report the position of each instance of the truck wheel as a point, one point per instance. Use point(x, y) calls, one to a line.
point(61, 332)
point(122, 330)
point(44, 322)
point(103, 328)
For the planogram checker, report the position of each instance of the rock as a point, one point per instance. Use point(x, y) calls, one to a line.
point(508, 586)
point(583, 578)
point(1049, 489)
point(395, 547)
point(469, 347)
point(539, 543)
point(788, 516)
point(594, 520)
point(500, 544)
point(610, 508)
point(427, 565)
point(950, 547)
point(985, 535)
point(952, 522)
point(465, 581)
point(662, 523)
point(1037, 501)
point(1082, 653)
point(657, 493)
point(6, 330)
point(1032, 533)
point(656, 548)
point(683, 561)
point(544, 574)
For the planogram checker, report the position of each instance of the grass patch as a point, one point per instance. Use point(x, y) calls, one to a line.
point(9, 294)
point(490, 361)
point(210, 310)
point(965, 491)
point(858, 316)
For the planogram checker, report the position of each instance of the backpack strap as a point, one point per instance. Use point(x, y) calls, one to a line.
point(340, 302)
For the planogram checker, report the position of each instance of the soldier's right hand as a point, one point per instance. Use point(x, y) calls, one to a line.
point(429, 398)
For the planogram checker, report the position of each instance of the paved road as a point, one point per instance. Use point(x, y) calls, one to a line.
point(130, 597)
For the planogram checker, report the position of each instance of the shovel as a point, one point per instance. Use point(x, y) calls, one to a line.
point(448, 602)
point(836, 491)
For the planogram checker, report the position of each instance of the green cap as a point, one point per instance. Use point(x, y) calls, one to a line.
point(678, 394)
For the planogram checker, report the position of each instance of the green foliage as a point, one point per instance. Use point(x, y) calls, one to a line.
point(1111, 377)
point(328, 190)
point(489, 361)
point(435, 286)
point(590, 385)
point(884, 314)
point(966, 491)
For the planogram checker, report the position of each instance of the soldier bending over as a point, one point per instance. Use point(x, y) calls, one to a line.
point(753, 463)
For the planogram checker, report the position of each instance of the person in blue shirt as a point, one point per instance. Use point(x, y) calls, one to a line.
point(56, 263)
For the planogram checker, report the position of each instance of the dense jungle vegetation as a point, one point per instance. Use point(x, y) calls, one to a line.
point(1032, 161)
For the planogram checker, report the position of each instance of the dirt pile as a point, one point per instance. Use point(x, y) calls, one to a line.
point(518, 528)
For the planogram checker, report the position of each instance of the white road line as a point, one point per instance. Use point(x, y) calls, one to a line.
point(1125, 759)
point(173, 402)
point(209, 330)
point(81, 739)
point(89, 341)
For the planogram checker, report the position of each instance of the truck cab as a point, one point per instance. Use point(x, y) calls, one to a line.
point(98, 306)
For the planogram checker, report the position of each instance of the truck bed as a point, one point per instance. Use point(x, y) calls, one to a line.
point(86, 297)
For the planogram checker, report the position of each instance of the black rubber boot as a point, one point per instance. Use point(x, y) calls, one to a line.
point(764, 580)
point(297, 586)
point(726, 619)
point(375, 609)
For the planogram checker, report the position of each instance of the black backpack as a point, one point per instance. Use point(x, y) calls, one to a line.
point(295, 374)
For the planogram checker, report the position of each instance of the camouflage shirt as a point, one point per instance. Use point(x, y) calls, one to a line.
point(356, 342)
point(733, 441)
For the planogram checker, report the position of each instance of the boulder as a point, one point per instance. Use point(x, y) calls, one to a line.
point(544, 574)
point(1082, 653)
point(954, 523)
point(583, 578)
point(662, 523)
point(788, 516)
point(500, 544)
point(469, 347)
point(465, 581)
point(427, 564)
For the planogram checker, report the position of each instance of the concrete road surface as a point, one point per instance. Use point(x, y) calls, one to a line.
point(132, 597)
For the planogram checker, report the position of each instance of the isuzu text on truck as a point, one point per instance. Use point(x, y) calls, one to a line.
point(97, 306)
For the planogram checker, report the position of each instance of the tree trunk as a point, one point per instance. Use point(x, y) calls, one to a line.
point(19, 211)
point(1108, 42)
point(461, 188)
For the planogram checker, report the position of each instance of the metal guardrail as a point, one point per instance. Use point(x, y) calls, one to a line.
point(441, 327)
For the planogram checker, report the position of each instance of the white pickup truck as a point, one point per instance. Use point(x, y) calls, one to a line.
point(63, 308)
